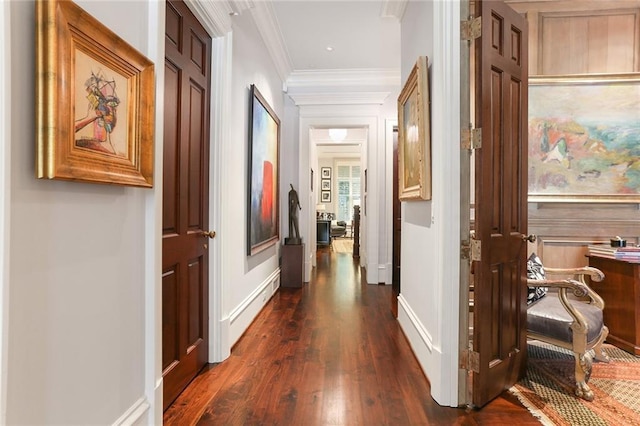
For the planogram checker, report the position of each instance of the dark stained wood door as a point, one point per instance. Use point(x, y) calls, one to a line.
point(185, 203)
point(501, 200)
point(397, 229)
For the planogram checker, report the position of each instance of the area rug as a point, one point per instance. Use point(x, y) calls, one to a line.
point(342, 245)
point(547, 390)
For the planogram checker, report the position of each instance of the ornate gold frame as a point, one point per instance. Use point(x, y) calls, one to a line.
point(67, 37)
point(414, 135)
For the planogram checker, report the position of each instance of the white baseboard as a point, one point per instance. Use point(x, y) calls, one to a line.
point(309, 264)
point(432, 361)
point(416, 333)
point(220, 352)
point(372, 273)
point(241, 317)
point(137, 414)
point(385, 273)
point(378, 273)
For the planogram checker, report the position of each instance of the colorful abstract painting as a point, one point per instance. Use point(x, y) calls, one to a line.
point(98, 126)
point(584, 139)
point(264, 138)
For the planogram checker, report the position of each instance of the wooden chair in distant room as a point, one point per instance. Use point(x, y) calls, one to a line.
point(566, 312)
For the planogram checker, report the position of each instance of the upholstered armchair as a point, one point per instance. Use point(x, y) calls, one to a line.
point(569, 315)
point(339, 229)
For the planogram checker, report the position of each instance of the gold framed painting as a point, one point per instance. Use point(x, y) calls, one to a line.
point(414, 135)
point(94, 101)
point(583, 138)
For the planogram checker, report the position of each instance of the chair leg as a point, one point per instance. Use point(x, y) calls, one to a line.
point(600, 353)
point(583, 372)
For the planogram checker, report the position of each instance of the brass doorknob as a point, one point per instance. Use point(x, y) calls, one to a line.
point(531, 238)
point(210, 234)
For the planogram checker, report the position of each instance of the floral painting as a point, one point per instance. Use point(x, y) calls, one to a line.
point(584, 138)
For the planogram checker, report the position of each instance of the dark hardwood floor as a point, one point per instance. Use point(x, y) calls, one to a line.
point(330, 353)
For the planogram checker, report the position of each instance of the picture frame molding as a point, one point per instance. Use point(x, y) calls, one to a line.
point(417, 85)
point(62, 30)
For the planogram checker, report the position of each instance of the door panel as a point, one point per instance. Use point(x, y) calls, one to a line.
point(185, 200)
point(499, 332)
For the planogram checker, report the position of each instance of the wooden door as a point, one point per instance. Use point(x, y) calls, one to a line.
point(397, 228)
point(499, 335)
point(185, 203)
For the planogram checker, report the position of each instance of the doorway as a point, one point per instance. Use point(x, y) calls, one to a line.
point(339, 187)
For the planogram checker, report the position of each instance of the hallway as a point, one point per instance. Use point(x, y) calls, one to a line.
point(330, 353)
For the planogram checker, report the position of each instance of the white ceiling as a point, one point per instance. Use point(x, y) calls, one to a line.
point(360, 37)
point(348, 147)
point(354, 135)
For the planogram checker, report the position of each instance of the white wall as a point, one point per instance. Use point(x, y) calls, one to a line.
point(428, 304)
point(388, 117)
point(76, 314)
point(250, 280)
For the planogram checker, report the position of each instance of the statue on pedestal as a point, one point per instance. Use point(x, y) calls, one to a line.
point(294, 206)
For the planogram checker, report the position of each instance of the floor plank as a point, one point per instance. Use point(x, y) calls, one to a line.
point(330, 353)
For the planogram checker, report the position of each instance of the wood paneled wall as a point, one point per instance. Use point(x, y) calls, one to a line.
point(581, 37)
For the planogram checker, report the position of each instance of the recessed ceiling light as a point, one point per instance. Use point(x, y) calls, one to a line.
point(329, 49)
point(233, 13)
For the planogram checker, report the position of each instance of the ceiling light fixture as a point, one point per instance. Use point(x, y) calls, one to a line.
point(329, 49)
point(337, 135)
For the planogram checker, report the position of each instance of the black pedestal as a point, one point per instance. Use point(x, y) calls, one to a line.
point(292, 267)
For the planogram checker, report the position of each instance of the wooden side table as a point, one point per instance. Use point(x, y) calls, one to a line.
point(292, 267)
point(620, 290)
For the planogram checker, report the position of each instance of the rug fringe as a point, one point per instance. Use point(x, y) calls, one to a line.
point(535, 412)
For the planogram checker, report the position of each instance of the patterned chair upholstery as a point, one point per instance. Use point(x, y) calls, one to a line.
point(570, 322)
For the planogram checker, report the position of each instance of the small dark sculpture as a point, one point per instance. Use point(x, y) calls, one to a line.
point(294, 206)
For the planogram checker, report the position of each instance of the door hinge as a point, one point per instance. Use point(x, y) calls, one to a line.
point(471, 249)
point(470, 360)
point(471, 29)
point(471, 139)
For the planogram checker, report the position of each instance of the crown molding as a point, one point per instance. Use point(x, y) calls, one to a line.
point(393, 9)
point(214, 16)
point(265, 19)
point(346, 77)
point(342, 98)
point(239, 6)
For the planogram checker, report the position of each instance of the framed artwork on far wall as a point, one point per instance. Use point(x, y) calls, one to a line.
point(264, 169)
point(414, 135)
point(325, 196)
point(98, 126)
point(584, 138)
point(326, 172)
point(326, 185)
